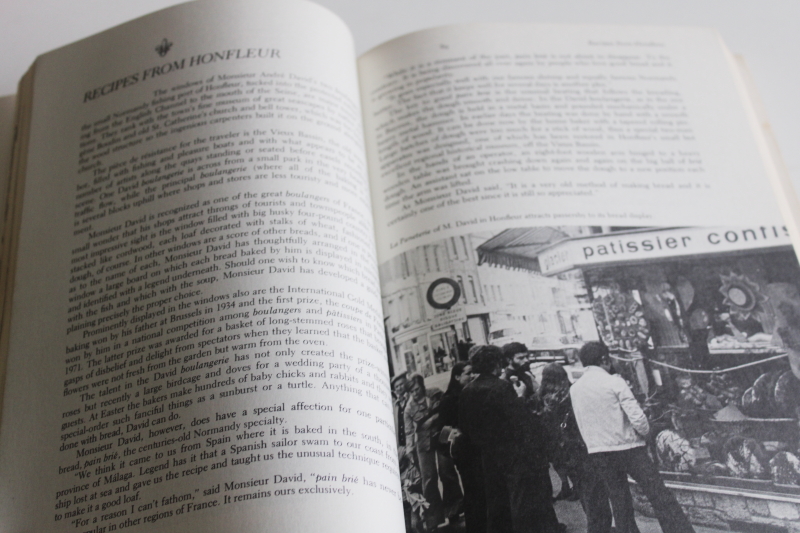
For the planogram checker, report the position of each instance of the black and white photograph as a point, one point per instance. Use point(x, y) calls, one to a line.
point(597, 379)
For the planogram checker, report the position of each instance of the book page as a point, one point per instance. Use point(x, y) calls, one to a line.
point(483, 125)
point(586, 277)
point(195, 339)
point(785, 192)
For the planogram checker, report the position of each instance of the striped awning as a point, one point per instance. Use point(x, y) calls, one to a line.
point(518, 247)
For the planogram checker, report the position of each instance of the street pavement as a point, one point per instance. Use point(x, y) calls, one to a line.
point(571, 514)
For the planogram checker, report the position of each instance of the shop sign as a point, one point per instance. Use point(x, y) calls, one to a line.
point(657, 244)
point(443, 293)
point(450, 317)
point(443, 298)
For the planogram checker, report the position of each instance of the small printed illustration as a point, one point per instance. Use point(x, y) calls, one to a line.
point(586, 378)
point(163, 47)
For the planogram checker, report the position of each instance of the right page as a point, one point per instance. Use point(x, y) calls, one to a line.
point(588, 276)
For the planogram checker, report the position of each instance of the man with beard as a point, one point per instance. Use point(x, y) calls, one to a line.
point(517, 372)
point(510, 440)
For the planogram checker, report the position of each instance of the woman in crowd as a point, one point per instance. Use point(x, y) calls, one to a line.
point(422, 426)
point(569, 453)
point(555, 405)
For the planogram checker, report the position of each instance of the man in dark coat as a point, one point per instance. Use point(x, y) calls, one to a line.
point(511, 442)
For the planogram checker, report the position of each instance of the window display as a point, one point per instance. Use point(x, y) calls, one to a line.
point(700, 342)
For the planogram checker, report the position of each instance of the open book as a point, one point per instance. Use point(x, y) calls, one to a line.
point(226, 238)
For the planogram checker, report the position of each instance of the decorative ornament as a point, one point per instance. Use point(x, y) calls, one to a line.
point(742, 296)
point(620, 319)
point(163, 47)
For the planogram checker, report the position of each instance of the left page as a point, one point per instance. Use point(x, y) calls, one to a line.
point(195, 335)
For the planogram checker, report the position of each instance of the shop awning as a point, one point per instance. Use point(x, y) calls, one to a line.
point(550, 251)
point(518, 247)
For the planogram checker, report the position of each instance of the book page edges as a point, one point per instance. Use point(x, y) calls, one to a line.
point(12, 188)
point(778, 173)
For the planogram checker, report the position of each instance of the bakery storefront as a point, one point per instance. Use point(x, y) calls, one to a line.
point(697, 320)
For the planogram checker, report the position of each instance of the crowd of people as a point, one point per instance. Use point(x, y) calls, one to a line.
point(484, 447)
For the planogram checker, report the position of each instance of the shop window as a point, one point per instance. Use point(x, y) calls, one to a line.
point(415, 313)
point(463, 292)
point(401, 308)
point(561, 324)
point(391, 308)
point(700, 338)
point(472, 287)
